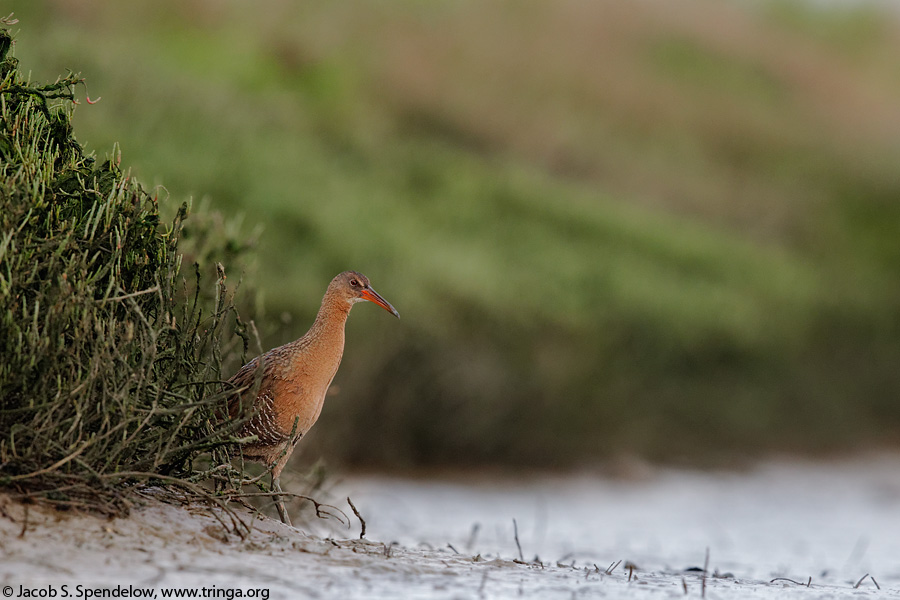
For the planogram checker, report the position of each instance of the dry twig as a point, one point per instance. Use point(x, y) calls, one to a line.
point(24, 523)
point(362, 521)
point(473, 535)
point(705, 570)
point(791, 580)
point(518, 545)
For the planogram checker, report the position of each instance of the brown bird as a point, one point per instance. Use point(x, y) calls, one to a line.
point(295, 378)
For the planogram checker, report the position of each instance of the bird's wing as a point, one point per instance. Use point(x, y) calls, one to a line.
point(262, 422)
point(242, 384)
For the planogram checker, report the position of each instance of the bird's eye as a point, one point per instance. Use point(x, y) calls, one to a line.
point(354, 283)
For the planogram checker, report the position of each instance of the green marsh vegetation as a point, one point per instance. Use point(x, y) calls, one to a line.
point(609, 229)
point(112, 347)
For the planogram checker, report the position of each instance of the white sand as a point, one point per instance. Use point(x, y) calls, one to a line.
point(832, 522)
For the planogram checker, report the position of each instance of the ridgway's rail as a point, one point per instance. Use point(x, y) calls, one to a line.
point(295, 378)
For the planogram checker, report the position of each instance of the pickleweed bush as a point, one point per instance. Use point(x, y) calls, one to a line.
point(110, 347)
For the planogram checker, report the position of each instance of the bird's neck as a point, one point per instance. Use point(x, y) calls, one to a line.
point(331, 319)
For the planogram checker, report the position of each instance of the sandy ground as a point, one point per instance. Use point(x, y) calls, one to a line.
point(454, 538)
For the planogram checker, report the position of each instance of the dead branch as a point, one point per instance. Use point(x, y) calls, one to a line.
point(473, 535)
point(320, 507)
point(362, 521)
point(705, 571)
point(516, 535)
point(24, 523)
point(791, 580)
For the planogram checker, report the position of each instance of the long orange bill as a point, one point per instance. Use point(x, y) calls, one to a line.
point(373, 296)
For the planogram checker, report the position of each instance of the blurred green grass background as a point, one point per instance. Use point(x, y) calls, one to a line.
point(611, 228)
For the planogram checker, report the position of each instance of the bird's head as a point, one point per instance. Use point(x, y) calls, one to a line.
point(354, 287)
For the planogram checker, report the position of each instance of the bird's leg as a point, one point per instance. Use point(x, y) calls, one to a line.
point(279, 501)
point(280, 462)
point(277, 467)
